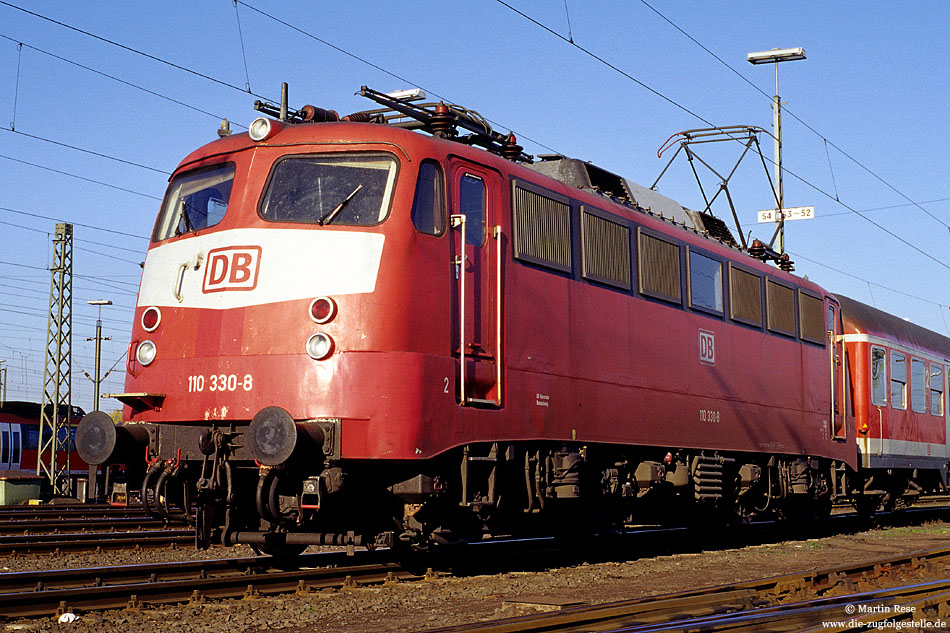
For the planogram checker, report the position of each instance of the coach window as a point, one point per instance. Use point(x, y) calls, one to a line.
point(936, 389)
point(15, 448)
point(705, 283)
point(472, 206)
point(918, 388)
point(428, 205)
point(878, 376)
point(898, 381)
point(4, 448)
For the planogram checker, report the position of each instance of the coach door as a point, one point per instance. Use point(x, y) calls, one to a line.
point(6, 446)
point(837, 366)
point(476, 196)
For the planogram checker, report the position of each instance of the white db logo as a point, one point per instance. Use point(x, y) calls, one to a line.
point(707, 347)
point(232, 268)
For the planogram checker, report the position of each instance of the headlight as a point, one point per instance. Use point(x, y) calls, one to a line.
point(260, 129)
point(146, 352)
point(319, 346)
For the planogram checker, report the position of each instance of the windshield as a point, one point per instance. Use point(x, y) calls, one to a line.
point(339, 189)
point(195, 200)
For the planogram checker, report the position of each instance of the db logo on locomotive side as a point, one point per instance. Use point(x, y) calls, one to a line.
point(232, 268)
point(707, 347)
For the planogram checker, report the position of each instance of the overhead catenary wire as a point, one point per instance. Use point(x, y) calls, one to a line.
point(129, 49)
point(792, 114)
point(111, 77)
point(85, 150)
point(701, 118)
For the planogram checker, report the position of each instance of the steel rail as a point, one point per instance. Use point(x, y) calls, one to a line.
point(744, 606)
point(80, 524)
point(139, 585)
point(84, 541)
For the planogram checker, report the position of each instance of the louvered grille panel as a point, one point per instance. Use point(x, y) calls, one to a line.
point(781, 308)
point(542, 230)
point(659, 268)
point(606, 248)
point(746, 297)
point(811, 318)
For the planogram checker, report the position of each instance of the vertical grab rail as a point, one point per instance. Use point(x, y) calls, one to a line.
point(498, 372)
point(459, 221)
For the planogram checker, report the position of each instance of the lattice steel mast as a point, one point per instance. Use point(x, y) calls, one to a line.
point(57, 377)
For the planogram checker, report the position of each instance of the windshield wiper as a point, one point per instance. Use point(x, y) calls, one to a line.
point(329, 217)
point(183, 217)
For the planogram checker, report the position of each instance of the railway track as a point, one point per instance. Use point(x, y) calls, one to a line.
point(33, 544)
point(836, 599)
point(85, 589)
point(26, 594)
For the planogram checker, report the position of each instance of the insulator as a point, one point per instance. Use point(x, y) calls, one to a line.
point(442, 122)
point(511, 149)
point(785, 263)
point(313, 114)
point(357, 117)
point(757, 249)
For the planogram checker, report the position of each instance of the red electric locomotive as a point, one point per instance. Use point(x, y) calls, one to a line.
point(352, 332)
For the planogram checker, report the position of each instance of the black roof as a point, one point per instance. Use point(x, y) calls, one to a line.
point(31, 410)
point(863, 318)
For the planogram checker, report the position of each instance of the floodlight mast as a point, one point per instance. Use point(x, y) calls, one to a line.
point(775, 56)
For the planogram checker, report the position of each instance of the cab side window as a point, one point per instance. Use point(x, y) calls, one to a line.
point(472, 206)
point(428, 205)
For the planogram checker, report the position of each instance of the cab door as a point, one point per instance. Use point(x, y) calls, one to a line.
point(476, 196)
point(839, 410)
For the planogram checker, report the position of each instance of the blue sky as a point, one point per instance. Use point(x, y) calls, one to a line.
point(863, 123)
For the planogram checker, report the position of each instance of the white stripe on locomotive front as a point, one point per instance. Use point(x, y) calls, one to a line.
point(294, 264)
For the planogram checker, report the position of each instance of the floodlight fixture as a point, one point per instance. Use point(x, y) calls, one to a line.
point(776, 55)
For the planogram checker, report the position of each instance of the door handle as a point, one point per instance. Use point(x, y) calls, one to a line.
point(180, 281)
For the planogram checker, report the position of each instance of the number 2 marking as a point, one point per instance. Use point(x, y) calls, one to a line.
point(446, 390)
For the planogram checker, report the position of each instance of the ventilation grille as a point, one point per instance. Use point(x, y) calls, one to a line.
point(607, 183)
point(717, 229)
point(746, 296)
point(606, 248)
point(659, 268)
point(811, 318)
point(542, 230)
point(780, 301)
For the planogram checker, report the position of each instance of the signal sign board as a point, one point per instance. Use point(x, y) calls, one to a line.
point(791, 213)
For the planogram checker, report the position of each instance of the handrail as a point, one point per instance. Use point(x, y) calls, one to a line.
point(496, 233)
point(459, 261)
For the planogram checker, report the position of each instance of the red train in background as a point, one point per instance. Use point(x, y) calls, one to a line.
point(20, 436)
point(352, 332)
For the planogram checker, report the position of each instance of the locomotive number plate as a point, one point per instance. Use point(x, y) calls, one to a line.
point(709, 415)
point(220, 382)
